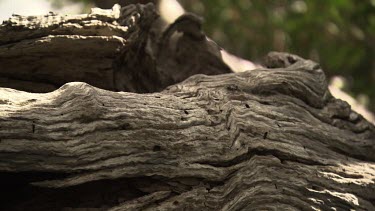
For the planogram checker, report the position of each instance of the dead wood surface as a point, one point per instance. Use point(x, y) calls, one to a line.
point(267, 139)
point(118, 49)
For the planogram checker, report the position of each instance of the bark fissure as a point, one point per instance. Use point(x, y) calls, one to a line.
point(261, 152)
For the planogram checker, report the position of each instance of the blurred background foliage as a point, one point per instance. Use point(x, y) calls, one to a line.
point(339, 34)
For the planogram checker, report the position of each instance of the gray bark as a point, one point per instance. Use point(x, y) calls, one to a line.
point(269, 139)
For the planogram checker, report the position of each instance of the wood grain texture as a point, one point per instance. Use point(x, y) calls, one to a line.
point(262, 139)
point(268, 139)
point(117, 49)
point(39, 53)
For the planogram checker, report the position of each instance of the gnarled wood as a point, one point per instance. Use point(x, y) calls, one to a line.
point(267, 139)
point(118, 49)
point(254, 140)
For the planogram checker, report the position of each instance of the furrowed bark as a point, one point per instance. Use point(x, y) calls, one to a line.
point(269, 139)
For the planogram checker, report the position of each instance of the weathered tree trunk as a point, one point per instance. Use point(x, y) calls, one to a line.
point(267, 139)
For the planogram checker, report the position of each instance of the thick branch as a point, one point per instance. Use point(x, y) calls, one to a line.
point(259, 139)
point(118, 49)
point(264, 139)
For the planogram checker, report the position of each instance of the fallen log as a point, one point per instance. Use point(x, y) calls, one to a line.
point(273, 138)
